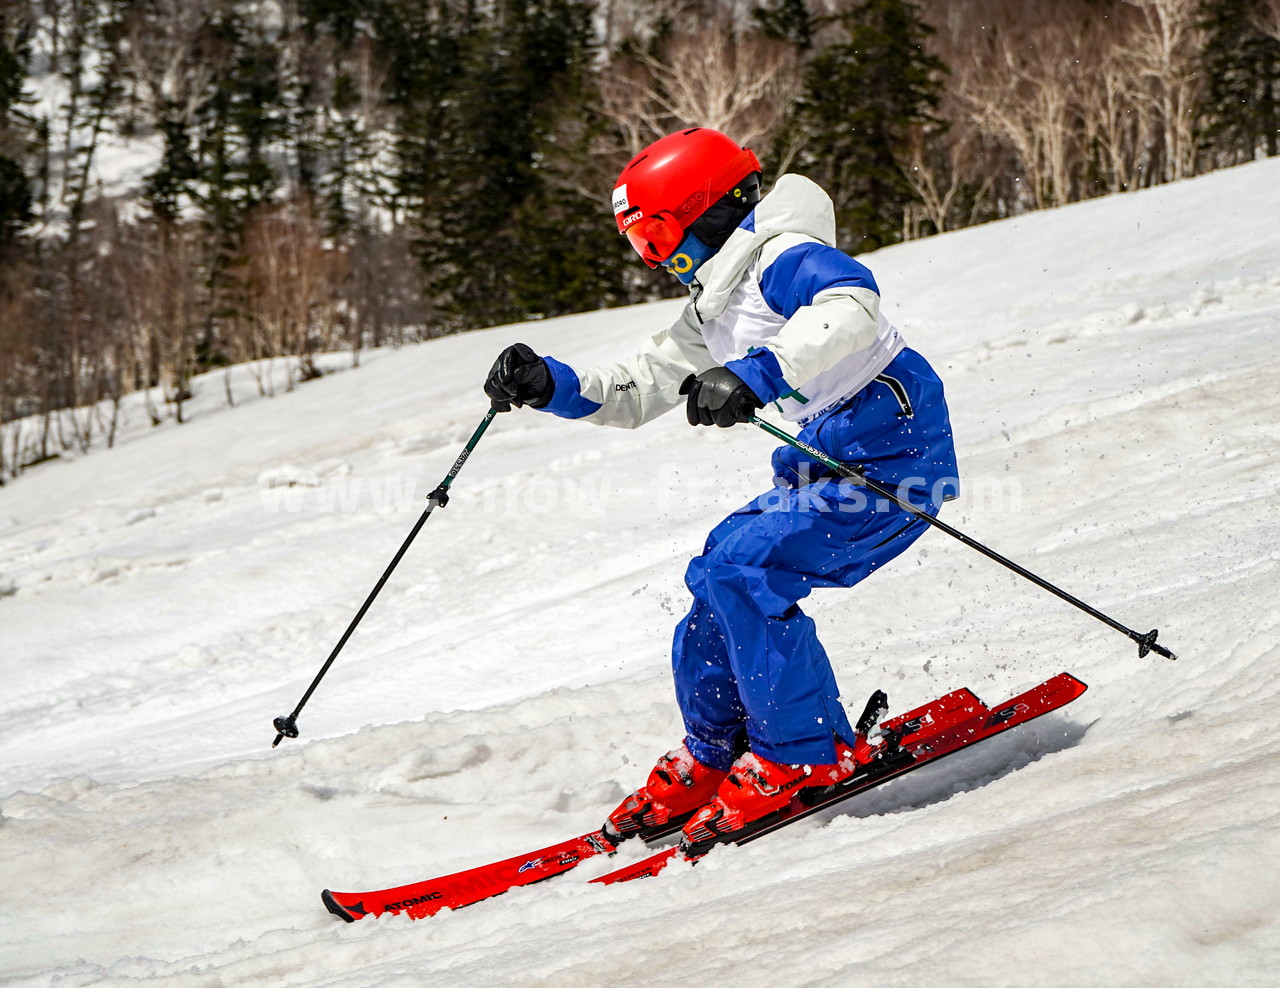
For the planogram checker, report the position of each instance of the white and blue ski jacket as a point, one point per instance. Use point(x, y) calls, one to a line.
point(779, 305)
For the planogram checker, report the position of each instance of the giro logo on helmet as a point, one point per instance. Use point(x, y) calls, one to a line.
point(620, 203)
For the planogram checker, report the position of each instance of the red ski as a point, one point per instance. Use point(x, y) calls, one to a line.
point(924, 735)
point(913, 739)
point(465, 887)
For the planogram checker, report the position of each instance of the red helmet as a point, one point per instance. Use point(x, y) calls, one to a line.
point(672, 182)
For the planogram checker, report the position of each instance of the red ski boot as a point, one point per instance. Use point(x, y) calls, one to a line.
point(677, 786)
point(755, 788)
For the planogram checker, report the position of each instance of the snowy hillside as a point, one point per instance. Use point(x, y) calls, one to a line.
point(1113, 370)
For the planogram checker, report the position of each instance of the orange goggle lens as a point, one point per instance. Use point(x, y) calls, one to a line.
point(655, 238)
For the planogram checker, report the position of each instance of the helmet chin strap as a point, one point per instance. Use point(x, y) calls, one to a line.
point(688, 257)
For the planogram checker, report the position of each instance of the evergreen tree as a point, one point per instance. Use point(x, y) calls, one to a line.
point(570, 257)
point(15, 202)
point(342, 145)
point(1242, 66)
point(13, 69)
point(567, 254)
point(244, 125)
point(862, 95)
point(15, 187)
point(429, 52)
point(483, 94)
point(169, 186)
point(343, 19)
point(334, 141)
point(787, 20)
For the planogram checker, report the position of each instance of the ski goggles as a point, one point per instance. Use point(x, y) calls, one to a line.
point(655, 238)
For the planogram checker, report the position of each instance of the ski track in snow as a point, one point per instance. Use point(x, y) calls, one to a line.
point(1113, 370)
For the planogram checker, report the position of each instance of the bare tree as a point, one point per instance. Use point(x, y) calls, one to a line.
point(173, 53)
point(1115, 121)
point(290, 279)
point(166, 307)
point(1266, 17)
point(1085, 103)
point(1022, 86)
point(1166, 45)
point(720, 77)
point(944, 169)
point(952, 168)
point(14, 358)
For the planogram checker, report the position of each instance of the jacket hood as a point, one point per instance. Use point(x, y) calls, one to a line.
point(795, 205)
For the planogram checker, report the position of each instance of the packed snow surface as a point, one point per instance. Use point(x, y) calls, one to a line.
point(1113, 370)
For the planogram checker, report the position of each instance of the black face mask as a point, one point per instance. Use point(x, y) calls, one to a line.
point(724, 215)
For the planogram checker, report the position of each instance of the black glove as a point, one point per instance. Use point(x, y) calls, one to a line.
point(519, 377)
point(718, 397)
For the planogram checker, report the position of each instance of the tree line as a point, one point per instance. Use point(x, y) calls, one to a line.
point(312, 175)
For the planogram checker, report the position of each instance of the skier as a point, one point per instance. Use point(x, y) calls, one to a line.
point(777, 314)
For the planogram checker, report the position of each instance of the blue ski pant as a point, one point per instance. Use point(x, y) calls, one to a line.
point(749, 669)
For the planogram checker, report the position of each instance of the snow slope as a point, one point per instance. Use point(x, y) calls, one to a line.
point(1114, 374)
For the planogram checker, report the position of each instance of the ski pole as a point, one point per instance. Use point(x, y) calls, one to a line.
point(287, 727)
point(1146, 643)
